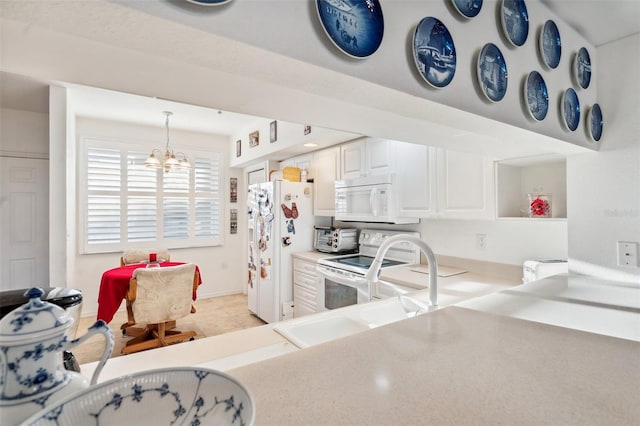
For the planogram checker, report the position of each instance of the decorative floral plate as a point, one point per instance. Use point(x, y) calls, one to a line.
point(550, 44)
point(354, 26)
point(434, 52)
point(169, 396)
point(595, 122)
point(515, 21)
point(582, 68)
point(570, 108)
point(209, 2)
point(468, 8)
point(492, 72)
point(536, 96)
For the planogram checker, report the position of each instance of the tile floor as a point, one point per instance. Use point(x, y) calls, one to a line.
point(216, 315)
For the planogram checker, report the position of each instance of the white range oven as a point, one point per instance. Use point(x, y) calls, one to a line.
point(341, 279)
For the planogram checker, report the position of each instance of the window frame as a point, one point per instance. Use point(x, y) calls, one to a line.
point(125, 146)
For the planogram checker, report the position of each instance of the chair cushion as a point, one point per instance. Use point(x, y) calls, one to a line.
point(163, 294)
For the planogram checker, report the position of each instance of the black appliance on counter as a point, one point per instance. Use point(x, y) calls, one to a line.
point(68, 299)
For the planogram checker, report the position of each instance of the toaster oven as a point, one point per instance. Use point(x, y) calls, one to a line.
point(335, 240)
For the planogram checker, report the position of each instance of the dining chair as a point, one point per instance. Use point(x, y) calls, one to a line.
point(158, 297)
point(140, 255)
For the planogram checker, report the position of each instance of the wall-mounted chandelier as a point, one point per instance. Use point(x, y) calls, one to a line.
point(169, 160)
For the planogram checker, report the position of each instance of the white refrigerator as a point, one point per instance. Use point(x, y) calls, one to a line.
point(280, 216)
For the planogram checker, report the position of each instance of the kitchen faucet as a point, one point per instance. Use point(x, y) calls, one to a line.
point(372, 273)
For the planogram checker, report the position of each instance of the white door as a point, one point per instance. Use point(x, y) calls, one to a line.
point(326, 165)
point(24, 223)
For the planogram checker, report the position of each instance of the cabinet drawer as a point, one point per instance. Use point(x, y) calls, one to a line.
point(304, 293)
point(304, 266)
point(304, 280)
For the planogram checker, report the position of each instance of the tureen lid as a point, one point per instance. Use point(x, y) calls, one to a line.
point(34, 319)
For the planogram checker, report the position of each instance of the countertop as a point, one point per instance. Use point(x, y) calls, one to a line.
point(452, 366)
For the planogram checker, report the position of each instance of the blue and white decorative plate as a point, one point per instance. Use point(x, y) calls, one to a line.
point(434, 52)
point(570, 108)
point(354, 26)
point(582, 68)
point(468, 8)
point(536, 96)
point(550, 44)
point(492, 72)
point(176, 396)
point(515, 21)
point(595, 122)
point(209, 2)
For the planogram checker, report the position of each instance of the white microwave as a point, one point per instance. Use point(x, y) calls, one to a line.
point(369, 199)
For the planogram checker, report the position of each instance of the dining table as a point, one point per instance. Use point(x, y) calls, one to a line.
point(115, 284)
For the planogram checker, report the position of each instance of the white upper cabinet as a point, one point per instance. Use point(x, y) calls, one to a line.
point(326, 171)
point(465, 183)
point(415, 173)
point(366, 157)
point(303, 162)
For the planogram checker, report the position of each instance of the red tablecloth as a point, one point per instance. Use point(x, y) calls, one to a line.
point(114, 285)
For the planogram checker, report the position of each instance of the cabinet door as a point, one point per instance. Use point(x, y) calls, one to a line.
point(380, 156)
point(326, 165)
point(416, 179)
point(465, 185)
point(352, 159)
point(304, 161)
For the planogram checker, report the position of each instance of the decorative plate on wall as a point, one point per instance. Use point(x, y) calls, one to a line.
point(550, 44)
point(595, 122)
point(492, 72)
point(354, 26)
point(209, 2)
point(515, 21)
point(536, 96)
point(582, 68)
point(434, 52)
point(467, 8)
point(570, 108)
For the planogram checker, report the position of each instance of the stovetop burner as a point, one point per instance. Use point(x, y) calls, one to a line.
point(364, 262)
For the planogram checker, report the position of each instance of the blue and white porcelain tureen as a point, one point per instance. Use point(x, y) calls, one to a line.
point(32, 373)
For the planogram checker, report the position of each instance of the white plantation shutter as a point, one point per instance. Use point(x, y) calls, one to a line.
point(126, 203)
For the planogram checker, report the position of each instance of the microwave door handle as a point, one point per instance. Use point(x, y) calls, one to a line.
point(373, 201)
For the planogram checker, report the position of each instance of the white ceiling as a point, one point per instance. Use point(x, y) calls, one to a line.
point(599, 21)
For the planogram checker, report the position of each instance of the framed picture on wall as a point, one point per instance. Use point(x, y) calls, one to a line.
point(254, 139)
point(274, 131)
point(307, 129)
point(238, 148)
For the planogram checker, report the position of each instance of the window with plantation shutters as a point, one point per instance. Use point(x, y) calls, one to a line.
point(125, 204)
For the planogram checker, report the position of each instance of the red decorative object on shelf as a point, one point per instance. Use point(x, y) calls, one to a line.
point(539, 205)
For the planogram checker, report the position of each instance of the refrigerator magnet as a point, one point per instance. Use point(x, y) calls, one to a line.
point(286, 241)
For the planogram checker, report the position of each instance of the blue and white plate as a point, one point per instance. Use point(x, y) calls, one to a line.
point(550, 44)
point(467, 8)
point(595, 122)
point(434, 52)
point(492, 72)
point(168, 396)
point(536, 96)
point(209, 2)
point(582, 68)
point(515, 21)
point(354, 26)
point(570, 108)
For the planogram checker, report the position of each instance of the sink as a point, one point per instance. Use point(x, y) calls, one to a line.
point(326, 326)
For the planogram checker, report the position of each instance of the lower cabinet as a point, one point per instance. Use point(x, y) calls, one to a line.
point(304, 288)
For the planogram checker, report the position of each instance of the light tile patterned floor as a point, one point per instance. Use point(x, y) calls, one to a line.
point(216, 315)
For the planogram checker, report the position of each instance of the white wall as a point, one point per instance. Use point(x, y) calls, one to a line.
point(222, 268)
point(24, 133)
point(603, 188)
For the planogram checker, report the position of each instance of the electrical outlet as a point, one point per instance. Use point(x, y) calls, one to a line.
point(481, 241)
point(627, 253)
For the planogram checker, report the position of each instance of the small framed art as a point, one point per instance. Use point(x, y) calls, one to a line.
point(254, 139)
point(273, 131)
point(307, 129)
point(238, 148)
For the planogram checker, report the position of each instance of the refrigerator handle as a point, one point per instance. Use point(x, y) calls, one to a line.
point(373, 201)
